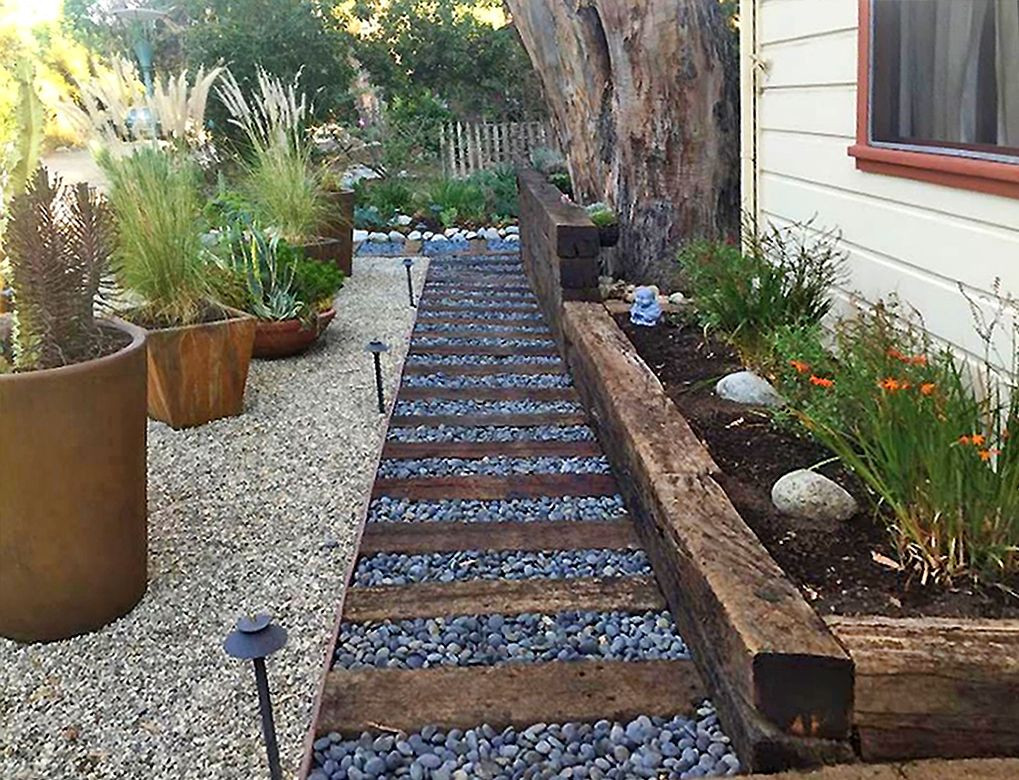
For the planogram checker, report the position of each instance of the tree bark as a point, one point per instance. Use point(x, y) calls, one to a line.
point(644, 97)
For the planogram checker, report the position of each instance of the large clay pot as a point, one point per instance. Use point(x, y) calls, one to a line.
point(73, 530)
point(341, 228)
point(289, 337)
point(197, 373)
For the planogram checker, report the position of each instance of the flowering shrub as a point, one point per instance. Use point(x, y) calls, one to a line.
point(933, 448)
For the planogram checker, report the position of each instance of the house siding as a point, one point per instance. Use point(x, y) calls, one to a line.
point(918, 240)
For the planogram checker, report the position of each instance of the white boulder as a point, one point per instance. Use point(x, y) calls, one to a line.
point(414, 235)
point(807, 494)
point(361, 235)
point(746, 387)
point(403, 220)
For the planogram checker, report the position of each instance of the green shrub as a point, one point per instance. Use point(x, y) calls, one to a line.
point(389, 197)
point(783, 277)
point(157, 206)
point(454, 201)
point(562, 182)
point(934, 450)
point(316, 282)
point(369, 218)
point(601, 215)
point(499, 187)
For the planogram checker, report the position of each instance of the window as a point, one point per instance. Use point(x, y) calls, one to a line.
point(939, 92)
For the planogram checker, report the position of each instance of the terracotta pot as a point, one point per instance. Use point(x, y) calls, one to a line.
point(608, 235)
point(73, 530)
point(197, 373)
point(289, 337)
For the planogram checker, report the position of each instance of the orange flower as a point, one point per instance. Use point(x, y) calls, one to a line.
point(821, 381)
point(986, 455)
point(978, 439)
point(927, 388)
point(800, 366)
point(965, 440)
point(891, 384)
point(895, 354)
point(918, 360)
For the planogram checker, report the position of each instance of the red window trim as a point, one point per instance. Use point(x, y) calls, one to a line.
point(996, 178)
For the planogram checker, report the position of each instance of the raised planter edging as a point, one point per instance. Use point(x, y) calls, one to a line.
point(921, 687)
point(781, 681)
point(559, 247)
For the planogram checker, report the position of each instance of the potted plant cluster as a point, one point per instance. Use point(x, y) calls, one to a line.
point(73, 393)
point(605, 219)
point(290, 295)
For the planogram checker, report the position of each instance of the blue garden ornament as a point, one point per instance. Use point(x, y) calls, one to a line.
point(646, 310)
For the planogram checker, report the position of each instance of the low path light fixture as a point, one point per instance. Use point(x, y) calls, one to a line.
point(408, 263)
point(376, 348)
point(255, 638)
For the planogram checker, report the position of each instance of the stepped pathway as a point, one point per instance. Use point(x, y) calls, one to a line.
point(502, 620)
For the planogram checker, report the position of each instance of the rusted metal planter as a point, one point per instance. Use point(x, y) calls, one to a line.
point(197, 373)
point(73, 529)
point(289, 337)
point(341, 228)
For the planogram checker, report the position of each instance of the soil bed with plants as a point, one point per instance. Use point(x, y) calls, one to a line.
point(832, 563)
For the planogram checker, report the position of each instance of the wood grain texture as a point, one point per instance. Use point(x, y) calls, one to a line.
point(783, 683)
point(935, 769)
point(488, 393)
point(491, 449)
point(933, 687)
point(487, 488)
point(413, 538)
point(489, 420)
point(505, 597)
point(516, 695)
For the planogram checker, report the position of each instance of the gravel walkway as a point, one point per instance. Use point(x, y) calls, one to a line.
point(255, 512)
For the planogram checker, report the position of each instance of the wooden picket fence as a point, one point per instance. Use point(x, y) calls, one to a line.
point(469, 147)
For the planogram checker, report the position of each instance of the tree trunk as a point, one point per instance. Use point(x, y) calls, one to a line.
point(644, 98)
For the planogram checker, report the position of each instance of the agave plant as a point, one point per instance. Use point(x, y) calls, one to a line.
point(58, 245)
point(257, 256)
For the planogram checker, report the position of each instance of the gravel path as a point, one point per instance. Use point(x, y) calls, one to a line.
point(386, 509)
point(473, 640)
point(255, 512)
point(678, 747)
point(457, 433)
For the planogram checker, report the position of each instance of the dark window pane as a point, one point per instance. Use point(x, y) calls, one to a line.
point(945, 73)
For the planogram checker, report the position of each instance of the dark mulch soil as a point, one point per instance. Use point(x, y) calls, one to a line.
point(831, 563)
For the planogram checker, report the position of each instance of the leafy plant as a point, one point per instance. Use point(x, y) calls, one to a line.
point(783, 276)
point(58, 246)
point(316, 282)
point(390, 196)
point(601, 215)
point(454, 201)
point(369, 218)
point(499, 186)
point(157, 204)
point(562, 181)
point(547, 160)
point(933, 447)
point(279, 180)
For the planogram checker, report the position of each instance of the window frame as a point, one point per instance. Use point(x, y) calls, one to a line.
point(950, 168)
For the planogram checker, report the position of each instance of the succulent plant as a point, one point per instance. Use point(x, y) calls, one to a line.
point(58, 244)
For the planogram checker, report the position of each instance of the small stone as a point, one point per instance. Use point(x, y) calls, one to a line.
point(396, 236)
point(415, 235)
point(378, 238)
point(403, 220)
point(677, 299)
point(807, 494)
point(746, 387)
point(360, 236)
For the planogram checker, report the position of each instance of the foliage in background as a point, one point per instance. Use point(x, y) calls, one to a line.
point(58, 245)
point(601, 215)
point(316, 282)
point(460, 51)
point(934, 447)
point(283, 187)
point(782, 276)
point(157, 204)
point(254, 256)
